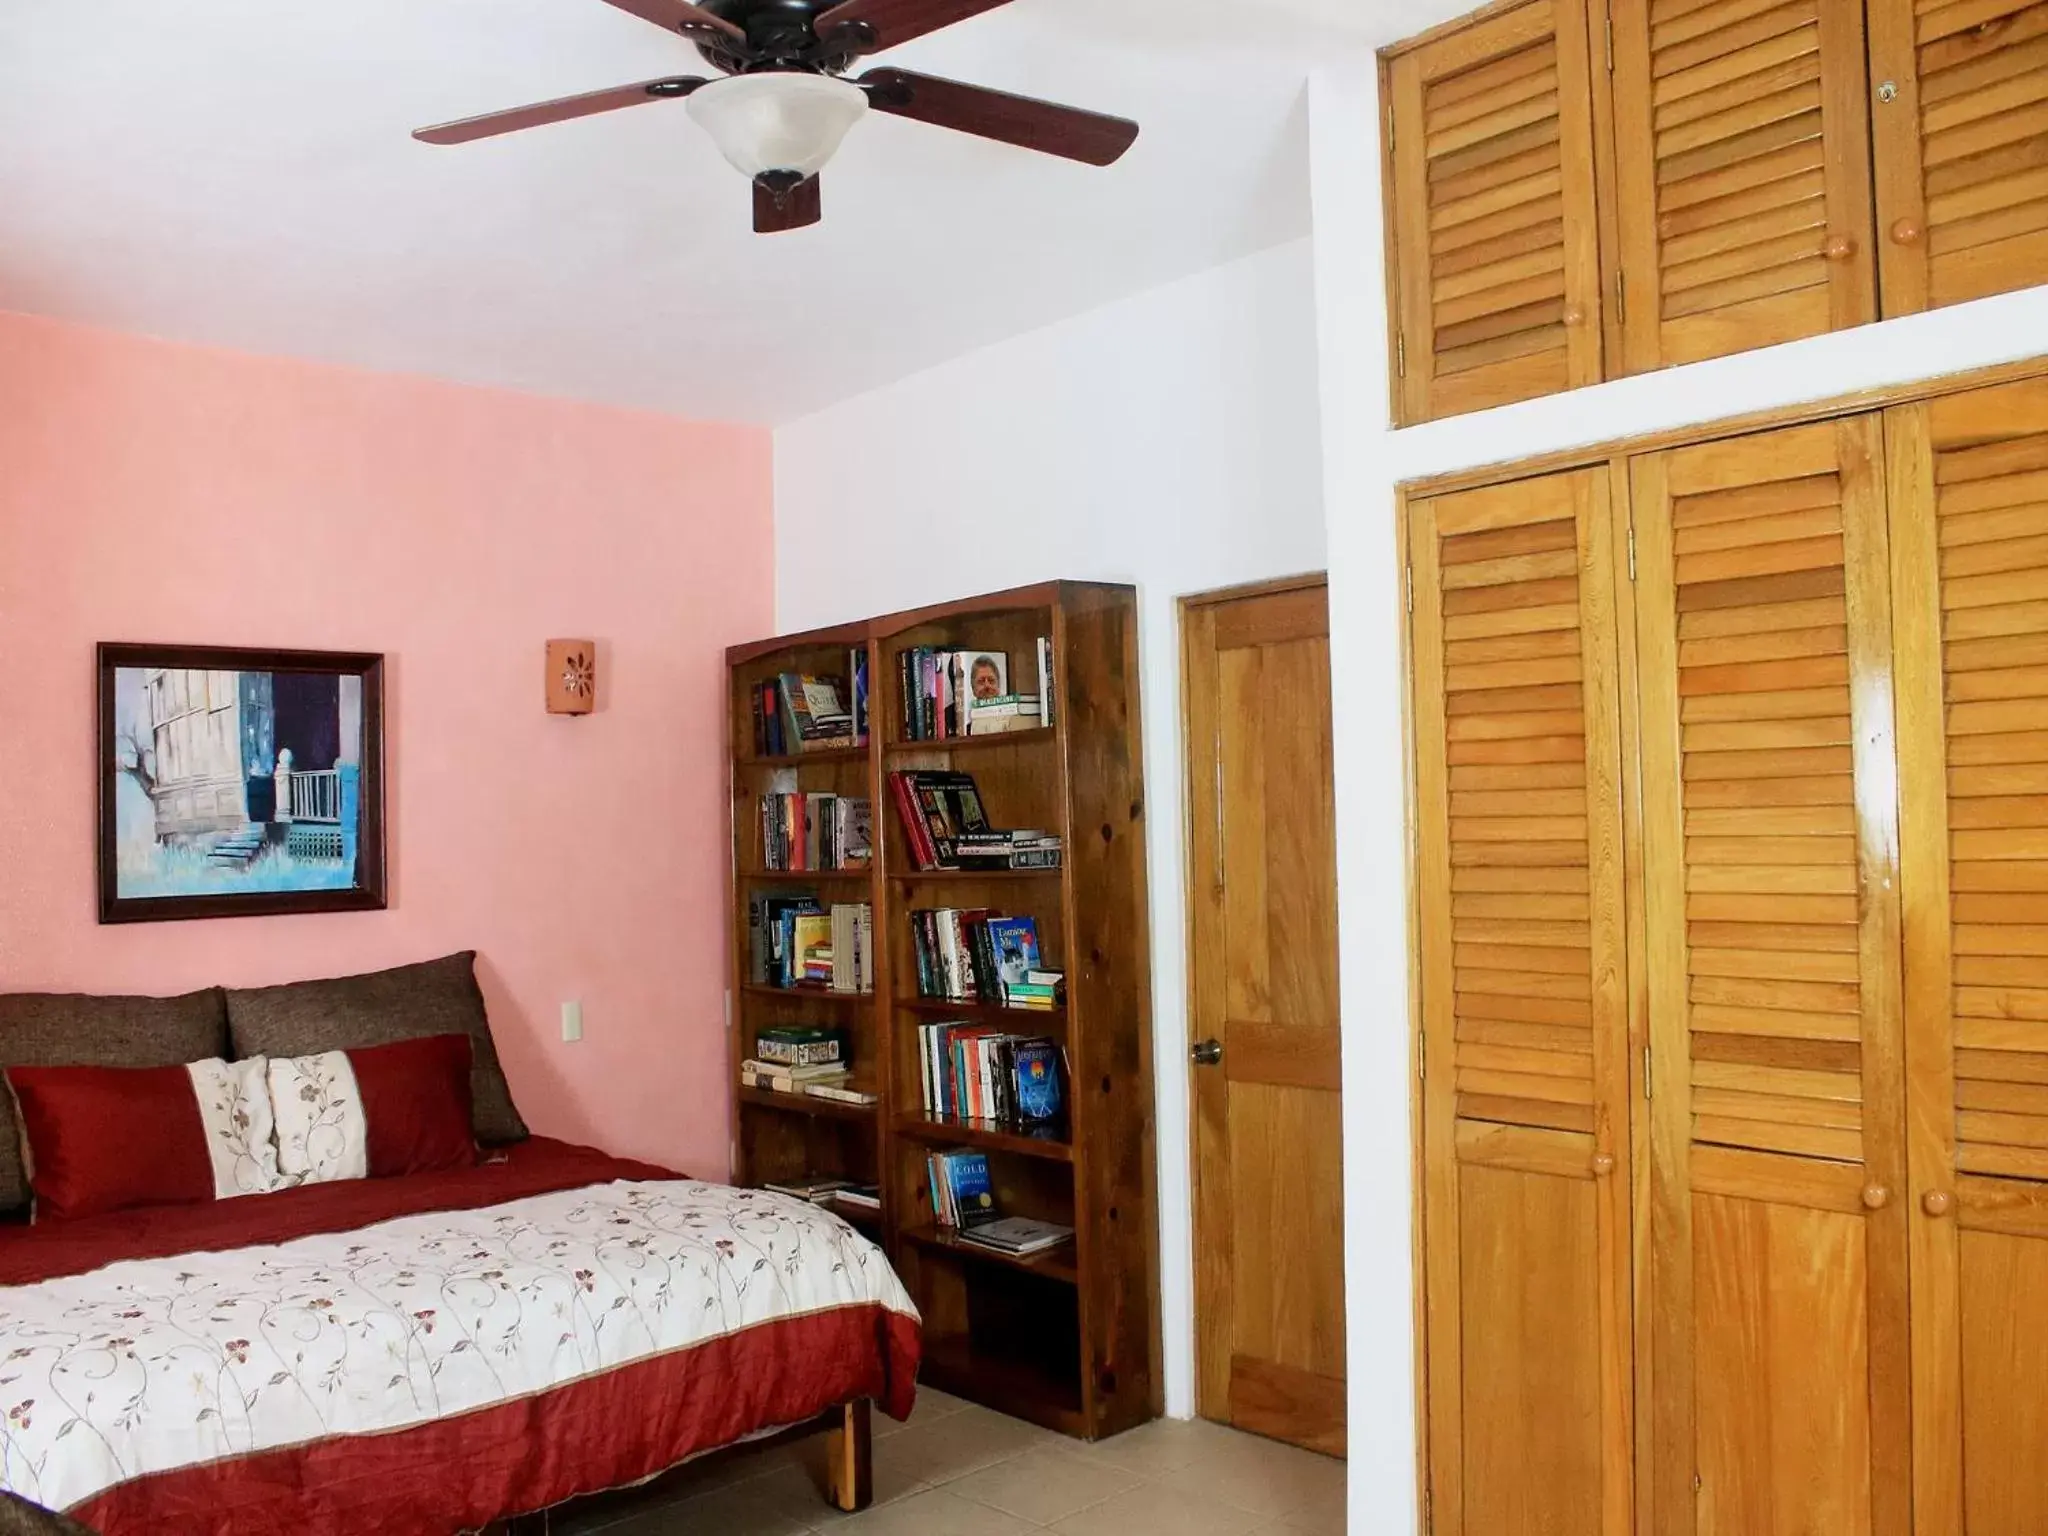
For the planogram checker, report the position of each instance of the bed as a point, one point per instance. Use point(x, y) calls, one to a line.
point(431, 1353)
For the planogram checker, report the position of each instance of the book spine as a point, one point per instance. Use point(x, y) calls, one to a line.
point(760, 724)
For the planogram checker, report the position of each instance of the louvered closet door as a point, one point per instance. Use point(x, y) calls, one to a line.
point(1526, 1214)
point(1742, 153)
point(1492, 206)
point(1778, 1276)
point(1962, 147)
point(1970, 516)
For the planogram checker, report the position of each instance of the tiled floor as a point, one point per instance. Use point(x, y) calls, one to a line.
point(959, 1470)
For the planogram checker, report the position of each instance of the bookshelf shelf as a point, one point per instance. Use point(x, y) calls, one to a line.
point(1067, 1338)
point(938, 1007)
point(807, 1104)
point(1042, 736)
point(808, 991)
point(943, 1130)
point(1054, 1264)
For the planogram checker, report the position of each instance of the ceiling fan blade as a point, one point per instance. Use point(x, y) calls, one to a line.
point(799, 208)
point(590, 104)
point(1052, 129)
point(679, 15)
point(897, 21)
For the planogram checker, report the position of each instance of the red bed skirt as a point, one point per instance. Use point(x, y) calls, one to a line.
point(604, 1431)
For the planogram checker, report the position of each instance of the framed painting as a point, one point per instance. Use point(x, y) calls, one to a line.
point(239, 783)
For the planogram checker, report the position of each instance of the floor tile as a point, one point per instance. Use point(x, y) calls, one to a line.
point(1158, 1509)
point(1046, 1483)
point(1263, 1477)
point(1161, 1447)
point(763, 1507)
point(952, 1447)
point(935, 1512)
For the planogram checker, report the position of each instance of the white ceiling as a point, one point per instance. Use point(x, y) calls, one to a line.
point(239, 173)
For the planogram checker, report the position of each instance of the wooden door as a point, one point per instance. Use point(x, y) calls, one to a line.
point(1778, 1261)
point(1524, 1009)
point(1961, 119)
point(1491, 204)
point(1743, 166)
point(1262, 889)
point(1969, 488)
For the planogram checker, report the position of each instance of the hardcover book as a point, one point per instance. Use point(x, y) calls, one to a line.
point(1038, 1081)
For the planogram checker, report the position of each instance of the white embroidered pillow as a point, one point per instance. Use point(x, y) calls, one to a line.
point(234, 1108)
point(322, 1134)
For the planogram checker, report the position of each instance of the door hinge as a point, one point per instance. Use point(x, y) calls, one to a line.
point(1621, 297)
point(1610, 39)
point(1428, 1516)
point(1631, 547)
point(1401, 354)
point(1393, 129)
point(1410, 573)
point(1648, 1090)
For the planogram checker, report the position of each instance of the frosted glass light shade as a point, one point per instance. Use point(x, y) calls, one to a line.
point(779, 121)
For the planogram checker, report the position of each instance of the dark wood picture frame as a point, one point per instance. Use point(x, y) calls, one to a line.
point(367, 894)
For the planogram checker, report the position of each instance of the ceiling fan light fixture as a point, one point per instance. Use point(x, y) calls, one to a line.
point(779, 120)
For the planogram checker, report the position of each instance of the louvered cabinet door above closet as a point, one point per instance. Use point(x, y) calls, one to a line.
point(1524, 1042)
point(1961, 118)
point(1743, 161)
point(1497, 290)
point(1778, 1247)
point(1970, 493)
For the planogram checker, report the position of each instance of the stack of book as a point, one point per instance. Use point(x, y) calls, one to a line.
point(970, 955)
point(801, 832)
point(795, 940)
point(827, 1191)
point(797, 712)
point(946, 827)
point(1017, 1236)
point(800, 1045)
point(830, 1081)
point(1006, 850)
point(967, 693)
point(962, 1195)
point(972, 1072)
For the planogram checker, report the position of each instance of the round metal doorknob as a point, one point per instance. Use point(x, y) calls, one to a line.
point(1603, 1164)
point(1907, 232)
point(1935, 1202)
point(1208, 1053)
point(1876, 1197)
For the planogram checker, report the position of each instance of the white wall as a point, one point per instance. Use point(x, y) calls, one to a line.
point(1170, 441)
point(1364, 462)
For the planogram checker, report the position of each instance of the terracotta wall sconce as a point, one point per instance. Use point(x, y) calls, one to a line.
point(572, 677)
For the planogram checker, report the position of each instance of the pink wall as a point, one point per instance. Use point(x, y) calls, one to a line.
point(168, 493)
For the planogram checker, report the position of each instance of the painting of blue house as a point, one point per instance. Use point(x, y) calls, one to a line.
point(235, 783)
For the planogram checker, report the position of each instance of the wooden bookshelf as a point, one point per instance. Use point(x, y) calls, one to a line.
point(1068, 1339)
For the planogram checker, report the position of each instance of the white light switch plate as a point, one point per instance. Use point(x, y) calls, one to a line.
point(572, 1021)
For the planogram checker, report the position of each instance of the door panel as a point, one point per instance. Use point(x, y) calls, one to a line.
point(1962, 148)
point(1492, 207)
point(1269, 1111)
point(1525, 1092)
point(1777, 1117)
point(1969, 485)
point(1742, 156)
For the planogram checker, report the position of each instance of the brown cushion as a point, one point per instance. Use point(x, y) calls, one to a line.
point(435, 997)
point(49, 1030)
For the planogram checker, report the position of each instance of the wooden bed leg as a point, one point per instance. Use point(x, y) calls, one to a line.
point(850, 1454)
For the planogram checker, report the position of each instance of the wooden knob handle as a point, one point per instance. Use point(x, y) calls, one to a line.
point(1935, 1202)
point(1603, 1164)
point(1876, 1197)
point(1841, 248)
point(1574, 314)
point(1907, 232)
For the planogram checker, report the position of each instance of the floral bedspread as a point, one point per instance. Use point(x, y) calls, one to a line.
point(152, 1364)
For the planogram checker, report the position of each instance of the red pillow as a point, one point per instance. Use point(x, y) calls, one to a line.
point(109, 1138)
point(378, 1112)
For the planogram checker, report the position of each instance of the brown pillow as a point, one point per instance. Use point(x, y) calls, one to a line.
point(349, 1013)
point(51, 1030)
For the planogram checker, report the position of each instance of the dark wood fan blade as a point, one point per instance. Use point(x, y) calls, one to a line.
point(675, 15)
point(1052, 129)
point(895, 22)
point(589, 105)
point(799, 208)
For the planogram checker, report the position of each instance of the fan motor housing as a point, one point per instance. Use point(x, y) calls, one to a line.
point(782, 34)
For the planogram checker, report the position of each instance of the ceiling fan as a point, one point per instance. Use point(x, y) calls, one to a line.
point(785, 105)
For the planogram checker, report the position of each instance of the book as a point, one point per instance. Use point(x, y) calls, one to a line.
point(999, 716)
point(853, 953)
point(963, 1196)
point(778, 918)
point(799, 1046)
point(857, 673)
point(1015, 941)
point(811, 959)
point(838, 1093)
point(1040, 1098)
point(867, 1197)
point(810, 1189)
point(782, 1079)
point(1018, 1236)
point(965, 676)
point(814, 711)
point(1045, 679)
